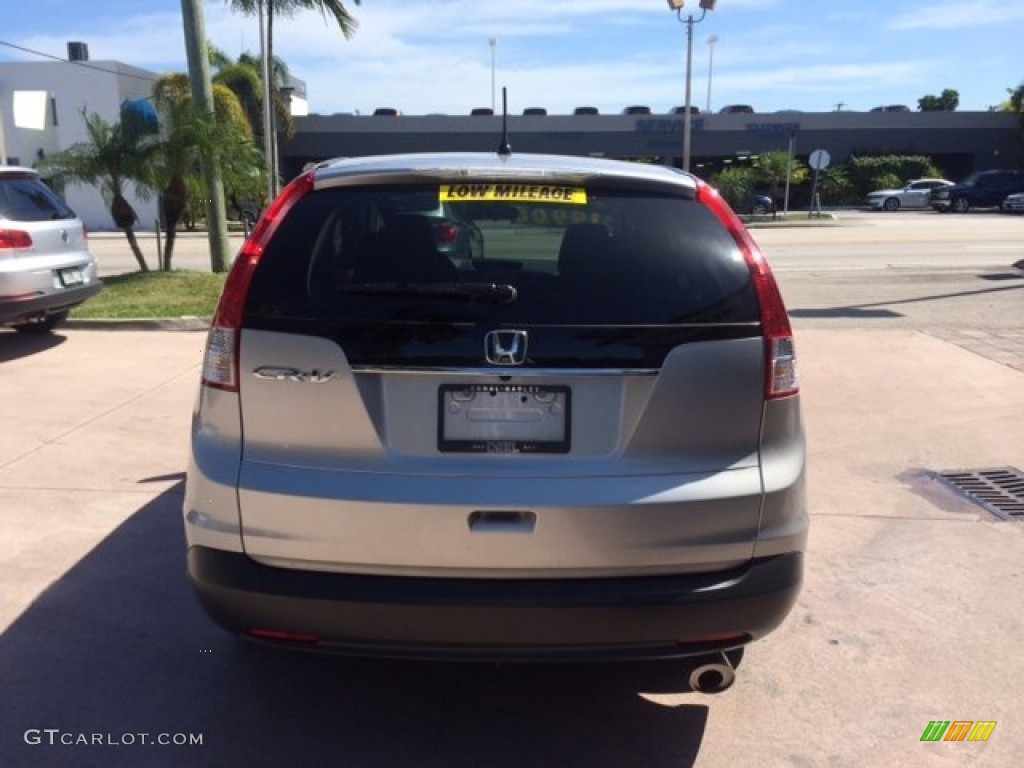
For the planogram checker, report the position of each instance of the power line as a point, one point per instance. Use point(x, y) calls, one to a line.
point(83, 64)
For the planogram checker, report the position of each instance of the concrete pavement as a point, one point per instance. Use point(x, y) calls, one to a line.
point(912, 609)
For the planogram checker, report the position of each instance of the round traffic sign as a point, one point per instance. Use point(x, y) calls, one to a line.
point(819, 159)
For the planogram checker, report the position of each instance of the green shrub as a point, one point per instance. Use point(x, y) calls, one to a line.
point(736, 185)
point(887, 181)
point(864, 172)
point(835, 187)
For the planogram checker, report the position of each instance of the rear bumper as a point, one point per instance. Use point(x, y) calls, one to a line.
point(403, 617)
point(14, 309)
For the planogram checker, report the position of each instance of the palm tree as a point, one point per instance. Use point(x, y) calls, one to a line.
point(113, 157)
point(244, 77)
point(186, 130)
point(346, 21)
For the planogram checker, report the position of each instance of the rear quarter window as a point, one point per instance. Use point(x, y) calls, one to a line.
point(609, 257)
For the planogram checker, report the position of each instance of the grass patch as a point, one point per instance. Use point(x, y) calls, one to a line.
point(154, 295)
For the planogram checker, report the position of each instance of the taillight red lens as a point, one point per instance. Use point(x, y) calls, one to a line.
point(14, 238)
point(220, 359)
point(446, 232)
point(780, 352)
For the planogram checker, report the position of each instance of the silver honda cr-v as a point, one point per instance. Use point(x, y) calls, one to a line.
point(583, 442)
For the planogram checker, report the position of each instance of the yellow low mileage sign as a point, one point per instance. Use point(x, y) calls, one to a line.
point(514, 193)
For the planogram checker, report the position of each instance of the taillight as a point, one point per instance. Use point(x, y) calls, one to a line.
point(445, 232)
point(11, 239)
point(220, 358)
point(780, 352)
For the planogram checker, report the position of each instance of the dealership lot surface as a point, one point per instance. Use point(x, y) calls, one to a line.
point(911, 610)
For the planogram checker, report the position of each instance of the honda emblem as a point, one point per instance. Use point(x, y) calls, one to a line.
point(505, 347)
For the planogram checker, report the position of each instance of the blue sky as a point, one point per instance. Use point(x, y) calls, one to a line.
point(430, 56)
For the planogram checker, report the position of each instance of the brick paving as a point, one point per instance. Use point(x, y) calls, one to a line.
point(1001, 345)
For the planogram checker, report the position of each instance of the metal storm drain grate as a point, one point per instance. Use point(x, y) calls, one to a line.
point(999, 490)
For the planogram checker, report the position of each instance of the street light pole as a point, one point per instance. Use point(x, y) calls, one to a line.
point(268, 122)
point(711, 63)
point(677, 6)
point(494, 44)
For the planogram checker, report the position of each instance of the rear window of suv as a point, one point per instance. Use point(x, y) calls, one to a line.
point(23, 197)
point(549, 255)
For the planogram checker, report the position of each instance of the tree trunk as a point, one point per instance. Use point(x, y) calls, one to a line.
point(172, 203)
point(171, 236)
point(124, 217)
point(130, 234)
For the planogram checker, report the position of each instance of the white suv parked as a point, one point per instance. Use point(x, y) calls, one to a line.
point(45, 265)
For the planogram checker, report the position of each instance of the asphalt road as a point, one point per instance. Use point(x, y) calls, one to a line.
point(858, 240)
point(912, 609)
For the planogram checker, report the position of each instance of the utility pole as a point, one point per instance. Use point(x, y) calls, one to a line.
point(3, 141)
point(269, 134)
point(202, 96)
point(711, 63)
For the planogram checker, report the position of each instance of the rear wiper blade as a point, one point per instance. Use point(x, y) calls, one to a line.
point(491, 293)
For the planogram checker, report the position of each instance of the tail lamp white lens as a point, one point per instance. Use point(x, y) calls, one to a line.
point(784, 380)
point(219, 358)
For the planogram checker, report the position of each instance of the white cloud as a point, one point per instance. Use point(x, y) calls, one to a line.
point(830, 78)
point(956, 15)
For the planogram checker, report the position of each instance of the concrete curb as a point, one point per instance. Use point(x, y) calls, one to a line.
point(797, 219)
point(141, 324)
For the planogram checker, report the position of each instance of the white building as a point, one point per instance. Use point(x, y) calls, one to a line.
point(41, 104)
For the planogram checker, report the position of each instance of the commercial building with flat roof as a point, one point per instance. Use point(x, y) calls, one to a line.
point(958, 142)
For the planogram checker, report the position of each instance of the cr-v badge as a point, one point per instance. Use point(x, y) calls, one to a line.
point(275, 373)
point(505, 347)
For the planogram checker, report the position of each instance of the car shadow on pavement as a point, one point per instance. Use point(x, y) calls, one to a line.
point(117, 655)
point(14, 345)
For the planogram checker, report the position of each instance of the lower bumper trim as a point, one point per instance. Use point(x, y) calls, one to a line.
point(403, 617)
point(13, 310)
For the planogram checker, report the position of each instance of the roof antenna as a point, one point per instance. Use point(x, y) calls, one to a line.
point(504, 149)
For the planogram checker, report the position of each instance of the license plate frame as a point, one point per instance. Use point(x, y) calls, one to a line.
point(504, 418)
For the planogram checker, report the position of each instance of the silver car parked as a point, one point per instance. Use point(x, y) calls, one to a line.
point(1013, 203)
point(45, 264)
point(583, 442)
point(915, 194)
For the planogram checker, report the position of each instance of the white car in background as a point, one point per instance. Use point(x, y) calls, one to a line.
point(1013, 203)
point(916, 194)
point(45, 265)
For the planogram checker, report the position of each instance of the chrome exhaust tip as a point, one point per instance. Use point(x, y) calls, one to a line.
point(713, 677)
